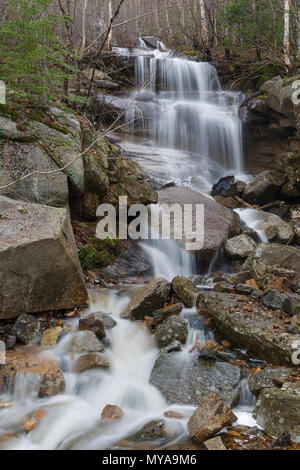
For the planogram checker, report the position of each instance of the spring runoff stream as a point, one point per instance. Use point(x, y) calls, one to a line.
point(183, 128)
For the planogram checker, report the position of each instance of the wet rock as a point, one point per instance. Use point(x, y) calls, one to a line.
point(7, 374)
point(150, 432)
point(33, 360)
point(240, 247)
point(185, 379)
point(51, 336)
point(262, 379)
point(8, 336)
point(278, 410)
point(37, 254)
point(272, 299)
point(107, 320)
point(170, 330)
point(215, 443)
point(209, 418)
point(223, 287)
point(264, 187)
point(174, 415)
point(268, 255)
point(148, 298)
point(225, 187)
point(251, 233)
point(185, 290)
point(90, 361)
point(291, 304)
point(112, 412)
point(246, 326)
point(85, 341)
point(228, 202)
point(92, 323)
point(220, 222)
point(27, 328)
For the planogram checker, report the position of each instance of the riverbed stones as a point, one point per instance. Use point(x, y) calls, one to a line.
point(91, 361)
point(215, 443)
point(220, 222)
point(152, 296)
point(240, 247)
point(185, 290)
point(170, 330)
point(34, 361)
point(209, 418)
point(263, 378)
point(111, 412)
point(248, 326)
point(51, 336)
point(27, 328)
point(185, 379)
point(85, 341)
point(37, 254)
point(264, 187)
point(278, 410)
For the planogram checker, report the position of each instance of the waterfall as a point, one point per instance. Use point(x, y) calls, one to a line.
point(193, 113)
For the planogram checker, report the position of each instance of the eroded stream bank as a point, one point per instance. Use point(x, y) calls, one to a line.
point(156, 353)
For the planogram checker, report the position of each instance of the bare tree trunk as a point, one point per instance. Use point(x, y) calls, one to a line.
point(287, 60)
point(110, 14)
point(83, 29)
point(203, 22)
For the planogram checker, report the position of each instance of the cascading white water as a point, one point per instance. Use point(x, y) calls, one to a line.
point(192, 112)
point(195, 133)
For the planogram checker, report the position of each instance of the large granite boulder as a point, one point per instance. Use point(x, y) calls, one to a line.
point(147, 299)
point(186, 379)
point(280, 93)
point(39, 267)
point(220, 222)
point(245, 324)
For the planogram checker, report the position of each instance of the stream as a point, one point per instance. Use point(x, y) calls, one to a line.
point(182, 128)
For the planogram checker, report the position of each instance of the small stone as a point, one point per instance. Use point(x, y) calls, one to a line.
point(223, 287)
point(51, 336)
point(272, 299)
point(111, 412)
point(185, 290)
point(92, 323)
point(107, 320)
point(209, 418)
point(91, 360)
point(170, 330)
point(240, 247)
point(150, 432)
point(85, 341)
point(215, 443)
point(26, 328)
